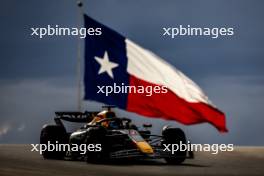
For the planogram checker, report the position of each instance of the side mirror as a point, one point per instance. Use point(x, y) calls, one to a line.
point(147, 125)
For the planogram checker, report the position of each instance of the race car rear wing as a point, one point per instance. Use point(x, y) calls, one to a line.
point(79, 117)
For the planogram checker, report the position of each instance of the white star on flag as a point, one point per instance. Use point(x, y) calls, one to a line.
point(106, 65)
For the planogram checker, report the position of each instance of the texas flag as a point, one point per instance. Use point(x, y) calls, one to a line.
point(110, 59)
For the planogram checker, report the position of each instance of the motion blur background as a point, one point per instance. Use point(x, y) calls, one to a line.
point(38, 76)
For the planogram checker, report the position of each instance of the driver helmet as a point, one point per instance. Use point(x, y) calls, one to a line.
point(103, 115)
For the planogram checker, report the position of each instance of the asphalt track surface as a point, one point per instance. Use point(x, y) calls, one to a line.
point(18, 160)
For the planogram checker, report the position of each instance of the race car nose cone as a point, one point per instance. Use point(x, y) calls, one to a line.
point(144, 147)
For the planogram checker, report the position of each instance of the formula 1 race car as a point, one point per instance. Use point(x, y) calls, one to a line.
point(118, 138)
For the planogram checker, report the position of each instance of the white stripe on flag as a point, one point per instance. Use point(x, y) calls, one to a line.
point(149, 67)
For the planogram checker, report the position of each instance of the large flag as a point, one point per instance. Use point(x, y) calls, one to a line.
point(111, 59)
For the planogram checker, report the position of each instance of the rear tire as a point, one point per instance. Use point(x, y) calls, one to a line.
point(53, 134)
point(175, 136)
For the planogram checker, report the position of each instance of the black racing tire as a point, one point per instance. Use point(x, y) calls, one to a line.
point(54, 134)
point(175, 136)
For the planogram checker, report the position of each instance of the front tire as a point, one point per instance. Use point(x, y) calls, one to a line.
point(175, 136)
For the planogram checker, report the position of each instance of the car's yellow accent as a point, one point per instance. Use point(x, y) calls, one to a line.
point(144, 147)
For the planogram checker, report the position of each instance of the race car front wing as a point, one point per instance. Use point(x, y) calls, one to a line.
point(136, 153)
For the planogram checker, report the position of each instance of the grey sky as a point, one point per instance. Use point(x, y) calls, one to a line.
point(38, 76)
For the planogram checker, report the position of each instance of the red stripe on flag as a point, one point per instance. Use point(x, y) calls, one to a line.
point(171, 107)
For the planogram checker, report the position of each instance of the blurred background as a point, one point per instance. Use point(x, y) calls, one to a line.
point(38, 76)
